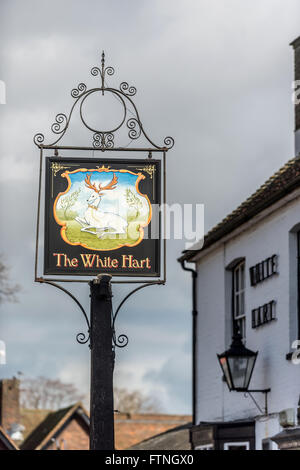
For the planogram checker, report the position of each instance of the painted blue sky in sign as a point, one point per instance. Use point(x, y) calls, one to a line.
point(111, 200)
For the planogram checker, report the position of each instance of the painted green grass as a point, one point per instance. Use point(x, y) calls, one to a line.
point(109, 242)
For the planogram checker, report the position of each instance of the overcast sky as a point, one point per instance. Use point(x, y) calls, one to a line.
point(214, 74)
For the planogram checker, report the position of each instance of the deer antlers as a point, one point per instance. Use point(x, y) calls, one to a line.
point(111, 185)
point(89, 184)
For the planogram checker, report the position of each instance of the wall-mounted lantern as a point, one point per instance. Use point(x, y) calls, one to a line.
point(237, 364)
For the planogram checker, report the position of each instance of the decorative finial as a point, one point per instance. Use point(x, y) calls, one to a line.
point(103, 71)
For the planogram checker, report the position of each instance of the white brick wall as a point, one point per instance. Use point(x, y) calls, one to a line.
point(268, 236)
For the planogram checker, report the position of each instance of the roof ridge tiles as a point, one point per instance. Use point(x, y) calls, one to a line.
point(283, 181)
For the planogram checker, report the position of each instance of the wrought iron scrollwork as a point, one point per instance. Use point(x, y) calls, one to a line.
point(38, 139)
point(60, 124)
point(128, 90)
point(121, 341)
point(103, 139)
point(79, 90)
point(169, 142)
point(103, 71)
point(81, 338)
point(96, 71)
point(135, 128)
point(109, 70)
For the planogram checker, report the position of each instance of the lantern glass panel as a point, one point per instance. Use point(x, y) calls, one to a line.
point(251, 362)
point(224, 365)
point(241, 370)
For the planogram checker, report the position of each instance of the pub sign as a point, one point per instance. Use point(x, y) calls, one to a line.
point(100, 217)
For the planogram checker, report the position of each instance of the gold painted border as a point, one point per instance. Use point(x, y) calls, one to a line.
point(107, 170)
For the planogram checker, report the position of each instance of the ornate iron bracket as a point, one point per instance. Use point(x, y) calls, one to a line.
point(265, 392)
point(103, 139)
point(122, 340)
point(81, 338)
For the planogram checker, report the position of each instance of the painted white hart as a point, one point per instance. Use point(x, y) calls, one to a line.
point(103, 208)
point(103, 223)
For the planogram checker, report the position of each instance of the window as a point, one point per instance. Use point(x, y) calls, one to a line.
point(294, 284)
point(298, 283)
point(294, 287)
point(205, 447)
point(266, 444)
point(237, 446)
point(238, 299)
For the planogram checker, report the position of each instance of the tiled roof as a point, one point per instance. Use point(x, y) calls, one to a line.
point(131, 429)
point(6, 440)
point(283, 182)
point(177, 438)
point(51, 424)
point(296, 42)
point(31, 419)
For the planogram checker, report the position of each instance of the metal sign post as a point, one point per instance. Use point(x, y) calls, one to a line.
point(100, 221)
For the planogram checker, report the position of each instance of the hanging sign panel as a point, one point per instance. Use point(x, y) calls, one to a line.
point(101, 216)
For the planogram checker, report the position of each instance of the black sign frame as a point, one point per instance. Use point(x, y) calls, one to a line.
point(62, 257)
point(56, 151)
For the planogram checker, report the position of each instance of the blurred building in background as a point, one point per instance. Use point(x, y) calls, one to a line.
point(68, 428)
point(248, 280)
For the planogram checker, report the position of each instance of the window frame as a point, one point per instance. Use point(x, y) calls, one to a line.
point(238, 309)
point(298, 283)
point(205, 447)
point(237, 444)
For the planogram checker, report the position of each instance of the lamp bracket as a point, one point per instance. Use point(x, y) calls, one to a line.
point(265, 391)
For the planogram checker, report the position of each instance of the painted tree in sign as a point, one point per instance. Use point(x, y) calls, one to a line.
point(68, 201)
point(133, 201)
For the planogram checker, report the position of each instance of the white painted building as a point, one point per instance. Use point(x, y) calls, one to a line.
point(248, 274)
